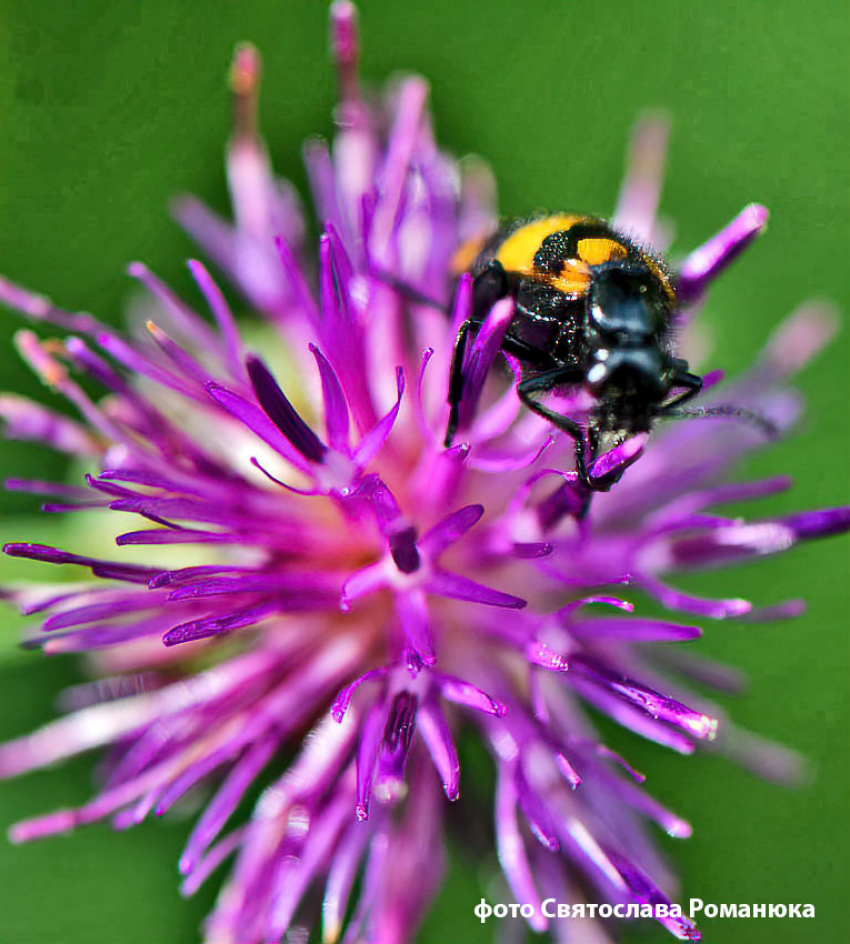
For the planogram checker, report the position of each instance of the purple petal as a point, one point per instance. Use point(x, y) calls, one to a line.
point(367, 756)
point(281, 412)
point(480, 356)
point(189, 510)
point(644, 891)
point(403, 549)
point(570, 498)
point(450, 529)
point(773, 762)
point(341, 332)
point(343, 699)
point(462, 306)
point(419, 412)
point(31, 600)
point(677, 600)
point(169, 578)
point(509, 461)
point(307, 587)
point(341, 269)
point(797, 340)
point(538, 653)
point(102, 806)
point(101, 371)
point(608, 468)
point(641, 188)
point(139, 363)
point(207, 229)
point(510, 846)
point(631, 718)
point(435, 732)
point(211, 861)
point(567, 771)
point(818, 524)
point(661, 707)
point(372, 443)
point(381, 502)
point(466, 694)
point(336, 406)
point(341, 877)
point(114, 570)
point(395, 746)
point(215, 625)
point(634, 630)
point(76, 733)
point(727, 544)
point(703, 265)
point(53, 507)
point(320, 176)
point(40, 308)
point(94, 612)
point(790, 609)
point(295, 280)
point(190, 368)
point(188, 536)
point(345, 48)
point(44, 552)
point(532, 551)
point(258, 422)
point(361, 583)
point(300, 872)
point(727, 493)
point(568, 609)
point(673, 825)
point(412, 613)
point(457, 587)
point(54, 374)
point(496, 419)
point(412, 97)
point(536, 814)
point(179, 313)
point(28, 420)
point(102, 634)
point(175, 481)
point(223, 316)
point(218, 810)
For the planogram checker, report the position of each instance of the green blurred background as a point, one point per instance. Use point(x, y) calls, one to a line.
point(110, 108)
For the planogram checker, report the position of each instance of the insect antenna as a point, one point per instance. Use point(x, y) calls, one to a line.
point(768, 427)
point(408, 292)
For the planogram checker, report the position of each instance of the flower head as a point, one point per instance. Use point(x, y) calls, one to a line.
point(330, 595)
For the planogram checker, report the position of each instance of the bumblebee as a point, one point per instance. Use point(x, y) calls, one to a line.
point(593, 309)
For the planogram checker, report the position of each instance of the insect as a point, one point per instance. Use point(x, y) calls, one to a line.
point(593, 309)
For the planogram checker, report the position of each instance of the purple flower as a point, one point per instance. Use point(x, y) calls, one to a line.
point(327, 594)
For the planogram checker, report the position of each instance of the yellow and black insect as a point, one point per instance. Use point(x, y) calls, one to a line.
point(593, 309)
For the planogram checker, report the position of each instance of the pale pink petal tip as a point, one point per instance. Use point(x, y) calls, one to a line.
point(704, 264)
point(637, 206)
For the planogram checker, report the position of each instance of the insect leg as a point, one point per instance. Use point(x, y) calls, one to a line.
point(694, 385)
point(530, 356)
point(682, 378)
point(541, 383)
point(408, 292)
point(456, 380)
point(489, 286)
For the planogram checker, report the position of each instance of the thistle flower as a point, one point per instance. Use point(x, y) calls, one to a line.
point(329, 595)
